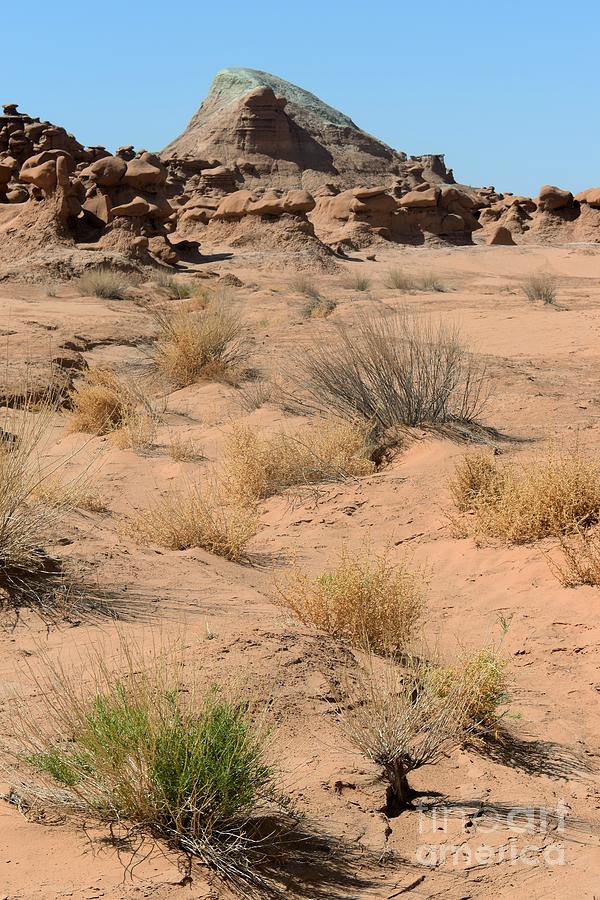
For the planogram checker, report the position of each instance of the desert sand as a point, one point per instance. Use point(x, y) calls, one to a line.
point(542, 361)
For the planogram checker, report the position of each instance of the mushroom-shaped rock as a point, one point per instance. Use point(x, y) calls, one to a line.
point(144, 171)
point(591, 196)
point(136, 207)
point(107, 172)
point(552, 197)
point(235, 205)
point(43, 176)
point(298, 202)
point(8, 165)
point(269, 204)
point(426, 199)
point(501, 236)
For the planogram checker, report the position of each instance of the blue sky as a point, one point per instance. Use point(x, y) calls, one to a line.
point(507, 89)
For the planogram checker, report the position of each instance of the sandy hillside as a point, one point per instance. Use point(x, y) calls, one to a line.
point(542, 363)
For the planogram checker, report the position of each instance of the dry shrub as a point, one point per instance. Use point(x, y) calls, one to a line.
point(104, 403)
point(125, 745)
point(108, 283)
point(580, 558)
point(398, 718)
point(193, 346)
point(257, 394)
point(318, 307)
point(305, 284)
point(541, 286)
point(393, 371)
point(547, 496)
point(365, 600)
point(398, 280)
point(183, 449)
point(357, 282)
point(79, 493)
point(194, 517)
point(256, 467)
point(101, 402)
point(28, 574)
point(486, 670)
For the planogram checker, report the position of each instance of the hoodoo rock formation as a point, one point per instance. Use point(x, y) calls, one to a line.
point(59, 200)
point(263, 165)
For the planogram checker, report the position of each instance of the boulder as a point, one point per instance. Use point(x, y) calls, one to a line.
point(552, 197)
point(591, 196)
point(425, 199)
point(107, 172)
point(145, 171)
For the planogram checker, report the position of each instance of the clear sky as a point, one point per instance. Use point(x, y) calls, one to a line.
point(507, 89)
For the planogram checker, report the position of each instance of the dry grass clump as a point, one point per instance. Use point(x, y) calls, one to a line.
point(183, 449)
point(256, 467)
point(305, 284)
point(257, 394)
point(398, 280)
point(103, 403)
point(195, 517)
point(319, 307)
point(130, 748)
point(28, 574)
point(193, 346)
point(393, 371)
point(396, 716)
point(541, 286)
point(580, 558)
point(79, 494)
point(111, 284)
point(178, 290)
point(357, 281)
point(486, 670)
point(547, 496)
point(365, 600)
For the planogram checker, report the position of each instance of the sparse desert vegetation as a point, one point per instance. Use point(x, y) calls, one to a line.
point(395, 371)
point(196, 517)
point(541, 286)
point(130, 746)
point(207, 345)
point(365, 599)
point(398, 280)
point(111, 284)
point(299, 455)
point(550, 495)
point(256, 467)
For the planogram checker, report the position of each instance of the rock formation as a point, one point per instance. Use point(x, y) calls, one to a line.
point(264, 128)
point(55, 194)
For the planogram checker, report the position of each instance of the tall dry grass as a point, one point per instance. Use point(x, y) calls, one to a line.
point(257, 466)
point(196, 517)
point(550, 495)
point(541, 286)
point(393, 371)
point(104, 403)
point(362, 598)
point(206, 345)
point(34, 491)
point(111, 284)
